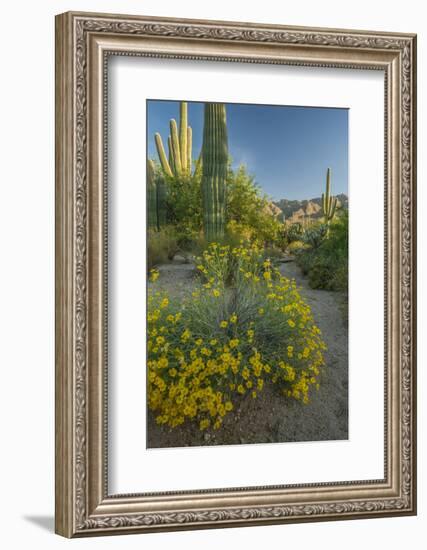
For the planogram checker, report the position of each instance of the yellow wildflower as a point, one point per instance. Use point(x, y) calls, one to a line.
point(154, 275)
point(185, 335)
point(204, 423)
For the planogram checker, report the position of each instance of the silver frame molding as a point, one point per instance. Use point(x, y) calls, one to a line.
point(83, 43)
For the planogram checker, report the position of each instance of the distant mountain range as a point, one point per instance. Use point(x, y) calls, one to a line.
point(298, 211)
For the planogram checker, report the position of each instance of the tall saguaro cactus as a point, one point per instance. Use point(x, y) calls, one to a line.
point(151, 196)
point(214, 170)
point(329, 203)
point(161, 200)
point(179, 161)
point(156, 197)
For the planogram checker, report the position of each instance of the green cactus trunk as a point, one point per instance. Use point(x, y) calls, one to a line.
point(329, 203)
point(214, 170)
point(151, 196)
point(161, 201)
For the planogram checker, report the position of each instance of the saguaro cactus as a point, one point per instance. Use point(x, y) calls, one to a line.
point(179, 161)
point(151, 195)
point(329, 203)
point(214, 170)
point(161, 200)
point(156, 197)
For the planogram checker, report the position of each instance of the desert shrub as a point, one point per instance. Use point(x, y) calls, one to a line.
point(184, 203)
point(327, 265)
point(224, 342)
point(273, 253)
point(228, 265)
point(156, 250)
point(292, 232)
point(248, 209)
point(161, 246)
point(314, 235)
point(237, 232)
point(295, 246)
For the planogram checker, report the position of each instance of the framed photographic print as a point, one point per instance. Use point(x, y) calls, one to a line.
point(235, 274)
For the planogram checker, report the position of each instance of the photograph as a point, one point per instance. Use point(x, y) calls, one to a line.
point(247, 270)
point(235, 272)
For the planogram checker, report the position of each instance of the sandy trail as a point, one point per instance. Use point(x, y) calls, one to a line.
point(270, 417)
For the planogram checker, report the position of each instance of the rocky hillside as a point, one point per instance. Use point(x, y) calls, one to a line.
point(298, 211)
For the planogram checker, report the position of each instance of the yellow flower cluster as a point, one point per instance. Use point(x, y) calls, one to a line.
point(222, 343)
point(154, 275)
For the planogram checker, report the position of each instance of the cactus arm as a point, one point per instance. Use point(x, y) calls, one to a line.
point(175, 147)
point(189, 150)
point(183, 125)
point(171, 157)
point(334, 207)
point(162, 155)
point(328, 183)
point(150, 170)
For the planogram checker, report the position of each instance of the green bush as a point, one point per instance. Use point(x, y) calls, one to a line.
point(248, 211)
point(184, 203)
point(161, 246)
point(327, 264)
point(295, 246)
point(292, 232)
point(315, 234)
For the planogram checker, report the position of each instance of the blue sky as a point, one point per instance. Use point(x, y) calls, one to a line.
point(287, 149)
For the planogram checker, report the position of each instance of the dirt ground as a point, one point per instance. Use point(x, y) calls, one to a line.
point(271, 418)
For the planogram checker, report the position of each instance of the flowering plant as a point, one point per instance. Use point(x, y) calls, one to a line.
point(246, 326)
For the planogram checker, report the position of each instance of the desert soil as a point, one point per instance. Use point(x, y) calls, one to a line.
point(271, 418)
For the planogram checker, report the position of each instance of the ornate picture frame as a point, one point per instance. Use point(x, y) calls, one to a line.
point(84, 42)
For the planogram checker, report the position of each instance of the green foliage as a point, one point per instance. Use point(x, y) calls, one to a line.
point(327, 265)
point(214, 170)
point(329, 203)
point(184, 203)
point(248, 211)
